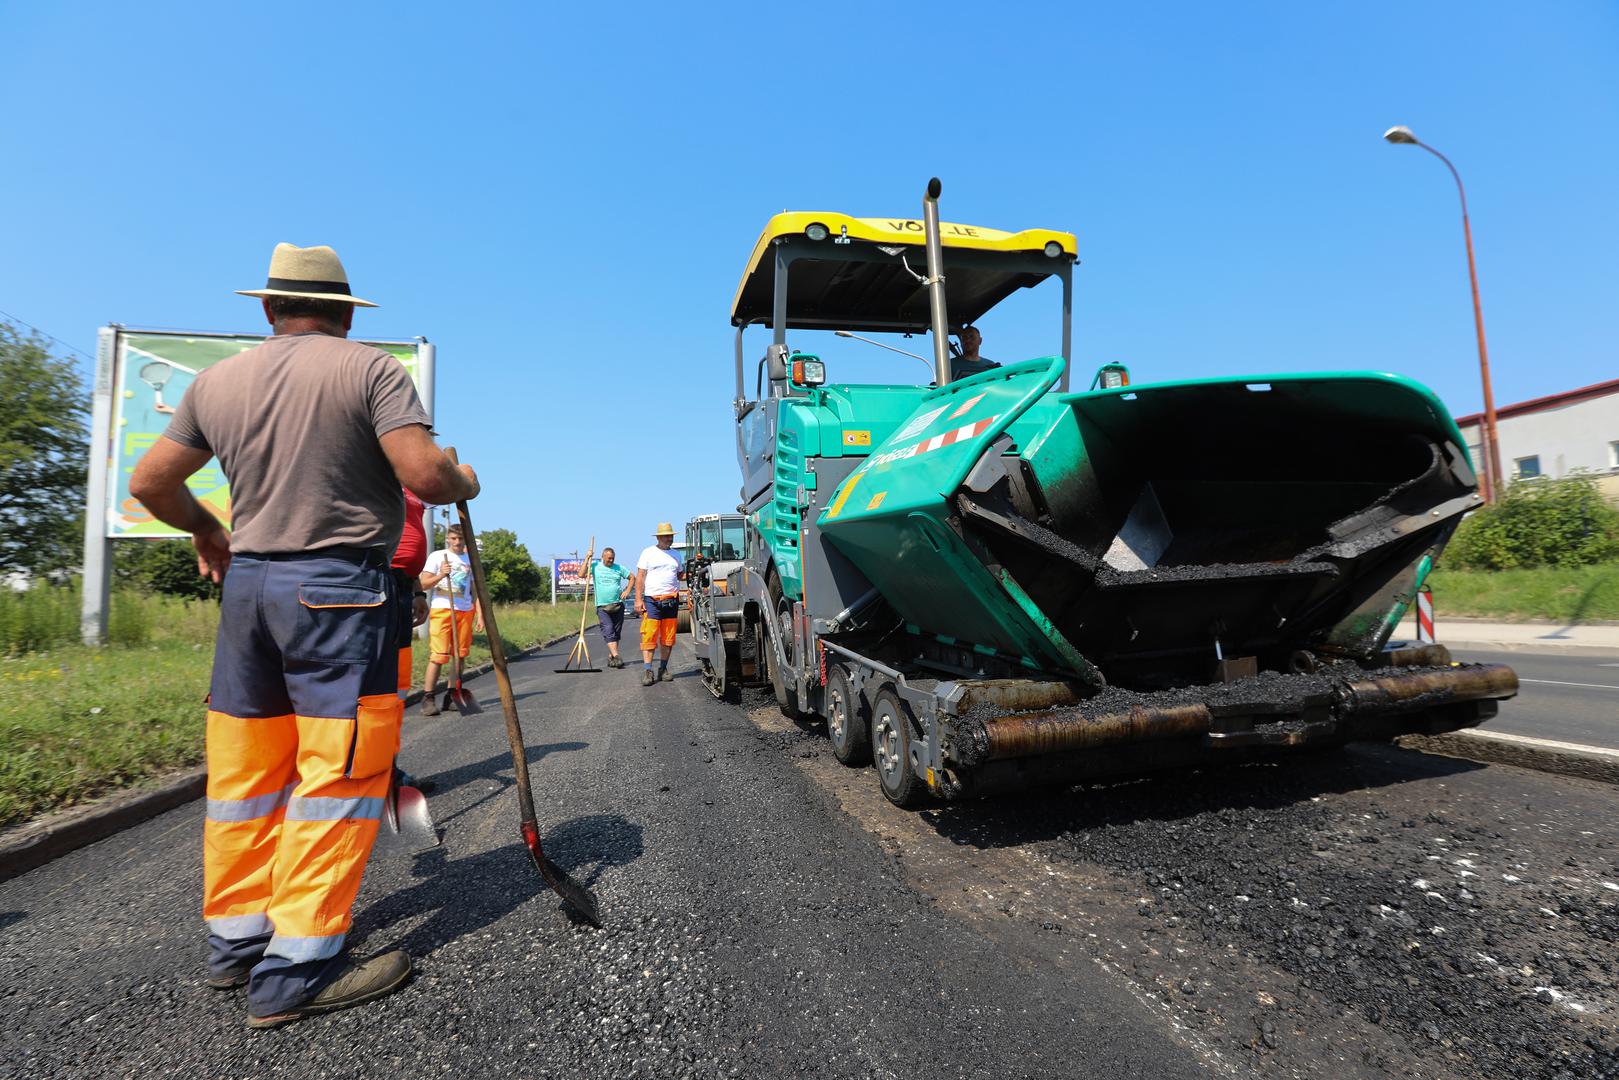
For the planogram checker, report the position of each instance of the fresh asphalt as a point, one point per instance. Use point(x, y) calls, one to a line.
point(1570, 697)
point(751, 928)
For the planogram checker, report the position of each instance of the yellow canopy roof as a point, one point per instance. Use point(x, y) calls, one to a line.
point(879, 301)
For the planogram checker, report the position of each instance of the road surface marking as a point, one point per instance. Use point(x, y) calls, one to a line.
point(1548, 744)
point(1559, 682)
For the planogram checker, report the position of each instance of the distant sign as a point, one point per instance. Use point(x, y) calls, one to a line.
point(151, 372)
point(568, 573)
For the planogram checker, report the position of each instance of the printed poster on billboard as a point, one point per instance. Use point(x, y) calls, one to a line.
point(568, 573)
point(152, 371)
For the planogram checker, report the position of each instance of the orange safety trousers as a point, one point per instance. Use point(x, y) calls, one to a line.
point(303, 728)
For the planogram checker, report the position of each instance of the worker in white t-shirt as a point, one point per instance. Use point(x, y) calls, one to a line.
point(447, 576)
point(657, 601)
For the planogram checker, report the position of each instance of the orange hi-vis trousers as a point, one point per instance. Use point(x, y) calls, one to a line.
point(303, 726)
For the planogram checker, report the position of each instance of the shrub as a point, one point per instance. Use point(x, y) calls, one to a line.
point(1538, 523)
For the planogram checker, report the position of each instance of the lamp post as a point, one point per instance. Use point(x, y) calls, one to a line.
point(1402, 135)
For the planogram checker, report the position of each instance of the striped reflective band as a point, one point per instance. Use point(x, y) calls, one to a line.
point(366, 808)
point(249, 809)
point(300, 949)
point(237, 927)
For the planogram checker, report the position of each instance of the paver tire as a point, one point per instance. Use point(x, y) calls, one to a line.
point(848, 718)
point(891, 749)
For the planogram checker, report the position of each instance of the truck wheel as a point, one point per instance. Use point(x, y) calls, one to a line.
point(848, 718)
point(783, 683)
point(891, 746)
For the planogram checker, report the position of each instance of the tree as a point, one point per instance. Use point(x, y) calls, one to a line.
point(165, 566)
point(1541, 522)
point(43, 451)
point(510, 571)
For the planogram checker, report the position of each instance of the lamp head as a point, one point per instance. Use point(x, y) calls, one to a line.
point(1400, 134)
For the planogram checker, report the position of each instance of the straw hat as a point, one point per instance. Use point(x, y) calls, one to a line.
point(314, 272)
point(664, 529)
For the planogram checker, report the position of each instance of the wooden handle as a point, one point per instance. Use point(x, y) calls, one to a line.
point(497, 653)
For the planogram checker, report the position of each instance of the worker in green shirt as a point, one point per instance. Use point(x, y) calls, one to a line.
point(608, 579)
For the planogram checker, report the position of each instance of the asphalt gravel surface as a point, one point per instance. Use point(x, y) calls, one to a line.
point(753, 927)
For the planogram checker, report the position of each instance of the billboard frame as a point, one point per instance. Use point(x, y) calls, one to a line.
point(97, 584)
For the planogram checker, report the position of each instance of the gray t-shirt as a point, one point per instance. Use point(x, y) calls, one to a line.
point(295, 423)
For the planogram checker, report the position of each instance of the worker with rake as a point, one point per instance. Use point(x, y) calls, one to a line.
point(316, 434)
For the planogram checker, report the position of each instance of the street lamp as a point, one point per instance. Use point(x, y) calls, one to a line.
point(1403, 136)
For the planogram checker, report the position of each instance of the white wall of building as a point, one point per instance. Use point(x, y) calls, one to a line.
point(1582, 435)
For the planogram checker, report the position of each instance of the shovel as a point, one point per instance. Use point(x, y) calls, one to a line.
point(574, 894)
point(458, 695)
point(404, 811)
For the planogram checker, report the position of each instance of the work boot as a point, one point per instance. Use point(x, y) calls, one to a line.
point(430, 703)
point(614, 661)
point(231, 977)
point(357, 984)
point(665, 676)
point(647, 678)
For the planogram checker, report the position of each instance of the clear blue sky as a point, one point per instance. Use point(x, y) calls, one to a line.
point(563, 199)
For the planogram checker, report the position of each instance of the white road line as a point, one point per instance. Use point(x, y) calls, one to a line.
point(1559, 682)
point(1548, 744)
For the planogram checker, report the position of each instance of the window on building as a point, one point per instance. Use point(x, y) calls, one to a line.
point(1526, 468)
point(1613, 454)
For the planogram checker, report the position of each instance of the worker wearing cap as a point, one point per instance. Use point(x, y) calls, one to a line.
point(316, 434)
point(657, 601)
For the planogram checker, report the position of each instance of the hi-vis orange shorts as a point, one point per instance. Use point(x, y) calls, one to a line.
point(439, 636)
point(655, 630)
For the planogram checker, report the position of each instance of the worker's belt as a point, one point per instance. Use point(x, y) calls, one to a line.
point(362, 556)
point(663, 607)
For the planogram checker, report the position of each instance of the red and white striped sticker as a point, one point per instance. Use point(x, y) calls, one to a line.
point(966, 431)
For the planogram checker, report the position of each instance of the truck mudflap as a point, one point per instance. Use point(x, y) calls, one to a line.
point(1121, 730)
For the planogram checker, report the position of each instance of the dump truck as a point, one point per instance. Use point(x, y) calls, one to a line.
point(995, 580)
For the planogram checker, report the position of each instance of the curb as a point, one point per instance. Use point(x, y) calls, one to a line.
point(48, 838)
point(1541, 755)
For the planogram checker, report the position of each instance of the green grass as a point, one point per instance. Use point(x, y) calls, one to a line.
point(1578, 594)
point(76, 722)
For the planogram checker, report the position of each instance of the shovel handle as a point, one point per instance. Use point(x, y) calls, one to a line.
point(497, 653)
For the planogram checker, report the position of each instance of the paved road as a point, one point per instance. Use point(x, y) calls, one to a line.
point(1572, 698)
point(753, 929)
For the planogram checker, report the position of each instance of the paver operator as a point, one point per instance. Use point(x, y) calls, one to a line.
point(657, 601)
point(448, 579)
point(608, 579)
point(316, 435)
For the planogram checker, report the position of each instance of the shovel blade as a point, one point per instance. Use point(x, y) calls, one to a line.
point(409, 823)
point(574, 894)
point(463, 700)
point(416, 828)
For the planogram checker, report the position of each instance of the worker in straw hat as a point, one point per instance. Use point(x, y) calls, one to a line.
point(316, 435)
point(657, 601)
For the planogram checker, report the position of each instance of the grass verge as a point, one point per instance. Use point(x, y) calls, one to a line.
point(1573, 594)
point(76, 722)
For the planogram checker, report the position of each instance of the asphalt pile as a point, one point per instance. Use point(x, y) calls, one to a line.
point(1482, 928)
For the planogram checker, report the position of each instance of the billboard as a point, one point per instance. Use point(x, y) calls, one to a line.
point(567, 572)
point(151, 372)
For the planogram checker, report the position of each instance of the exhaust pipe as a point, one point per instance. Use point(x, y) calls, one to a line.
point(935, 284)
